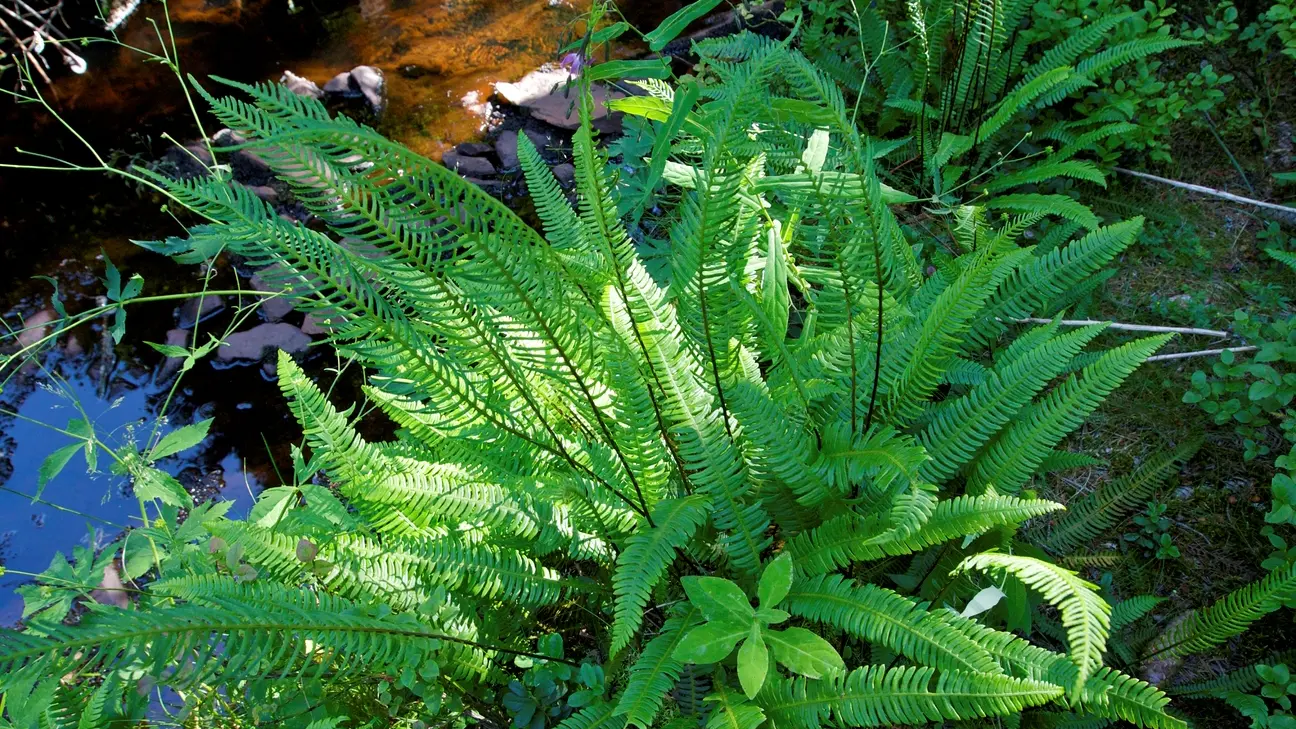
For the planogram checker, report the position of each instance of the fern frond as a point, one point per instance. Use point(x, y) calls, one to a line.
point(881, 616)
point(646, 557)
point(1085, 615)
point(881, 696)
point(1227, 617)
point(1091, 515)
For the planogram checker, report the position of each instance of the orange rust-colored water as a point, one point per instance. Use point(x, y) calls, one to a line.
point(434, 54)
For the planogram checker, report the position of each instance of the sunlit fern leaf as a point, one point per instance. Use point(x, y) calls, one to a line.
point(730, 710)
point(1085, 615)
point(967, 423)
point(1132, 609)
point(647, 556)
point(230, 638)
point(881, 696)
point(878, 615)
point(1013, 458)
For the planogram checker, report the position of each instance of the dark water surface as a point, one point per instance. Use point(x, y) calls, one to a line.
point(439, 57)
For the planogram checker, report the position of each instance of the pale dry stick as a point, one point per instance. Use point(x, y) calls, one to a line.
point(1199, 353)
point(1128, 327)
point(1291, 211)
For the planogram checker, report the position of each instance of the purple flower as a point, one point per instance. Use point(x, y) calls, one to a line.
point(572, 62)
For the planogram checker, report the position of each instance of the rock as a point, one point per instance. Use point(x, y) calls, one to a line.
point(1183, 493)
point(316, 324)
point(273, 309)
point(199, 309)
point(468, 166)
point(610, 125)
point(253, 343)
point(227, 138)
point(473, 149)
point(506, 148)
point(301, 86)
point(250, 169)
point(539, 140)
point(543, 93)
point(491, 187)
point(265, 192)
point(111, 590)
point(36, 327)
point(361, 81)
point(369, 81)
point(339, 84)
point(566, 174)
point(174, 338)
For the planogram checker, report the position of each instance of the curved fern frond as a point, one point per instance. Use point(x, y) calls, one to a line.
point(647, 556)
point(1085, 615)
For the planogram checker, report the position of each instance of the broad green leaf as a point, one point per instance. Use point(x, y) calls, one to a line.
point(658, 68)
point(709, 643)
point(685, 96)
point(677, 22)
point(775, 581)
point(719, 600)
point(271, 507)
point(169, 350)
point(804, 652)
point(137, 558)
point(771, 616)
point(53, 464)
point(612, 32)
point(816, 151)
point(776, 300)
point(753, 663)
point(150, 483)
point(982, 602)
point(180, 439)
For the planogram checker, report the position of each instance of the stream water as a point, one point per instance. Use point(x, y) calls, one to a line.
point(439, 58)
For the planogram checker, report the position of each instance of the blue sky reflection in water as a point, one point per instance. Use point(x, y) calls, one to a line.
point(31, 533)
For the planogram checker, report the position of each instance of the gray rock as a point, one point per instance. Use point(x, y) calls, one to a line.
point(566, 174)
point(250, 169)
point(543, 93)
point(491, 187)
point(175, 338)
point(539, 140)
point(506, 148)
point(301, 86)
point(227, 138)
point(468, 166)
point(369, 81)
point(316, 324)
point(265, 192)
point(339, 84)
point(473, 149)
point(273, 309)
point(253, 343)
point(199, 309)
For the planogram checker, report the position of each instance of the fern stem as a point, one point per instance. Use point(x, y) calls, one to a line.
point(1289, 211)
point(1199, 353)
point(1127, 327)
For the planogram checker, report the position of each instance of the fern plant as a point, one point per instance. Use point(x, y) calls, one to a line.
point(993, 99)
point(786, 405)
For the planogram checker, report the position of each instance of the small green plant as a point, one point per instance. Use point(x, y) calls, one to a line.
point(1153, 534)
point(1271, 708)
point(550, 691)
